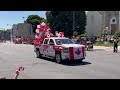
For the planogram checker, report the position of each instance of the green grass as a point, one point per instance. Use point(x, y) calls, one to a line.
point(98, 44)
point(119, 44)
point(102, 44)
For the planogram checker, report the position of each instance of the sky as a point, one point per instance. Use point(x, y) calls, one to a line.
point(14, 17)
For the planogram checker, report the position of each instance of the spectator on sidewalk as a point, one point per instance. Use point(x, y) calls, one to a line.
point(115, 45)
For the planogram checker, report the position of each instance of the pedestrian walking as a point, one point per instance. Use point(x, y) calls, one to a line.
point(115, 45)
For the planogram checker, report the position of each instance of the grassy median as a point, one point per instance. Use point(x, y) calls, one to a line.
point(103, 44)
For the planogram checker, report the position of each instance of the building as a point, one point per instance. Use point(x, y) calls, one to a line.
point(23, 30)
point(94, 23)
point(103, 21)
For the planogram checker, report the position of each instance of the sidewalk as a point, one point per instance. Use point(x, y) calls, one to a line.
point(7, 42)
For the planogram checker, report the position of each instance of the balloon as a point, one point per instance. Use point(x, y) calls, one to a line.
point(43, 24)
point(61, 34)
point(46, 29)
point(45, 35)
point(48, 35)
point(58, 35)
point(37, 30)
point(38, 26)
point(37, 40)
point(41, 27)
point(36, 36)
point(40, 34)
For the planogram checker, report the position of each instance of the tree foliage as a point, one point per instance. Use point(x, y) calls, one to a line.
point(35, 20)
point(62, 21)
point(117, 34)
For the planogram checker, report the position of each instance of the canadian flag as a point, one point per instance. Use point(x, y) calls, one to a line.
point(76, 53)
point(61, 34)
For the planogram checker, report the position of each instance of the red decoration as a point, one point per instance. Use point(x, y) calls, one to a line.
point(61, 34)
point(21, 68)
point(78, 52)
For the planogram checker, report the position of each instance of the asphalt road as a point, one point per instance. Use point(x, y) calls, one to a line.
point(99, 64)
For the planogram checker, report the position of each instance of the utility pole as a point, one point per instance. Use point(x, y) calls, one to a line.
point(4, 35)
point(73, 21)
point(24, 19)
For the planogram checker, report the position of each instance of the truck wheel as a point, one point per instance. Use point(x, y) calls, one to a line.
point(80, 60)
point(58, 58)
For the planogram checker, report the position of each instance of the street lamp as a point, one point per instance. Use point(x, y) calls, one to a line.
point(23, 18)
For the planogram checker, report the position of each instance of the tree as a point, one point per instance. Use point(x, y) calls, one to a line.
point(50, 19)
point(62, 21)
point(34, 20)
point(117, 34)
point(44, 20)
point(5, 34)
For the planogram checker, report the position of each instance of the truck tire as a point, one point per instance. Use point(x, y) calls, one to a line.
point(81, 59)
point(38, 53)
point(58, 58)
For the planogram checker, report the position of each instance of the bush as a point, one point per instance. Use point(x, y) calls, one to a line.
point(82, 36)
point(117, 34)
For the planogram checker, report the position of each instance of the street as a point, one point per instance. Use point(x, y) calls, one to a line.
point(99, 64)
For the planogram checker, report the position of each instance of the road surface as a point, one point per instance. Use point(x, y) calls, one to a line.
point(99, 64)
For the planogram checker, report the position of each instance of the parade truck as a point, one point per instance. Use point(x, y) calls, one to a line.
point(57, 46)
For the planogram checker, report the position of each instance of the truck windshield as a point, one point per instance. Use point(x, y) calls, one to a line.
point(63, 41)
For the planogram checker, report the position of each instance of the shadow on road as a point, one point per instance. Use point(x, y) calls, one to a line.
point(98, 50)
point(69, 63)
point(77, 63)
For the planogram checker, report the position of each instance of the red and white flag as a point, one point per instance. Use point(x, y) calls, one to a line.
point(76, 53)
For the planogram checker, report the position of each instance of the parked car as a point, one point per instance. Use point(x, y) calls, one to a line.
point(18, 41)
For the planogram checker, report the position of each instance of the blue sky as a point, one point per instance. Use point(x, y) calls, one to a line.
point(14, 17)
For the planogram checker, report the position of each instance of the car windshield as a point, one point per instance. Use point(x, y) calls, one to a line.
point(64, 41)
